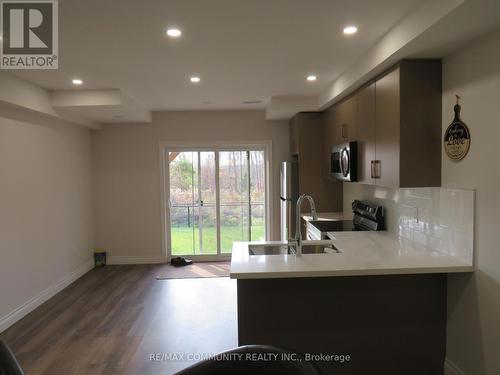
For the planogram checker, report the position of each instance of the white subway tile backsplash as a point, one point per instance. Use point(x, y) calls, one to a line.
point(445, 219)
point(439, 219)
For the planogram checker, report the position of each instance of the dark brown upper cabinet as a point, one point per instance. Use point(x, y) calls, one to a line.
point(397, 124)
point(341, 122)
point(366, 132)
point(345, 119)
point(339, 126)
point(306, 141)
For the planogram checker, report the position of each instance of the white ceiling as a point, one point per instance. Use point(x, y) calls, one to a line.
point(242, 50)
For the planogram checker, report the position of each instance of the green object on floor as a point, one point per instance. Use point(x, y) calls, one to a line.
point(99, 258)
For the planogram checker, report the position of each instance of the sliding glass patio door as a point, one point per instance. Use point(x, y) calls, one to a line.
point(215, 197)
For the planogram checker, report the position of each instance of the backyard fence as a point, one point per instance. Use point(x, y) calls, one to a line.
point(231, 214)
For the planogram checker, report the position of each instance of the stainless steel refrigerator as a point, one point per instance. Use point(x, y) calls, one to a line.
point(289, 193)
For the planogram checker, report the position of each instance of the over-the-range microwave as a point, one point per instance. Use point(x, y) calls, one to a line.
point(344, 161)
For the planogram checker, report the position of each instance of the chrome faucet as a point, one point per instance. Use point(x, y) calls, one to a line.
point(298, 232)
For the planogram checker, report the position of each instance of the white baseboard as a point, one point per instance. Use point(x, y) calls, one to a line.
point(125, 259)
point(30, 305)
point(451, 368)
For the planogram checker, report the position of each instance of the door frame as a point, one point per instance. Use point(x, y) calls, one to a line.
point(167, 146)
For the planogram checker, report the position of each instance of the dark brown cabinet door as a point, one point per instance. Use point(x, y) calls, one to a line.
point(365, 122)
point(294, 136)
point(387, 125)
point(329, 133)
point(308, 130)
point(345, 120)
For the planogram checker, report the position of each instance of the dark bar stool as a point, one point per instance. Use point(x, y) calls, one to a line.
point(8, 361)
point(238, 362)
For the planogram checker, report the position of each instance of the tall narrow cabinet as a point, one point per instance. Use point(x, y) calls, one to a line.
point(306, 141)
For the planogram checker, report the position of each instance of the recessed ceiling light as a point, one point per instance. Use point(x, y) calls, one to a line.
point(174, 33)
point(77, 81)
point(350, 30)
point(195, 79)
point(311, 78)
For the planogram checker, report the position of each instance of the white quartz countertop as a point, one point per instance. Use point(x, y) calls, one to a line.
point(324, 216)
point(362, 253)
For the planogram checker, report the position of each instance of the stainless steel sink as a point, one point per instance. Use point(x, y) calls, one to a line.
point(308, 247)
point(315, 249)
point(269, 249)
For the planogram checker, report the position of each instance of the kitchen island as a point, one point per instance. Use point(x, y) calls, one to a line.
point(380, 301)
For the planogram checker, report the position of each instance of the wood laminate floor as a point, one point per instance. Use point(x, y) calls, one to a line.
point(113, 319)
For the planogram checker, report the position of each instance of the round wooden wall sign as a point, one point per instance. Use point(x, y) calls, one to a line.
point(457, 137)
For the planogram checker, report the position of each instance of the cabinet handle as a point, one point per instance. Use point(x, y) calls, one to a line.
point(371, 169)
point(344, 126)
point(376, 168)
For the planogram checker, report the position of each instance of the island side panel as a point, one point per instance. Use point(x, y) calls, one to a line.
point(387, 324)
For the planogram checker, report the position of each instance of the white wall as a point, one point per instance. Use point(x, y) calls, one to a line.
point(45, 212)
point(474, 301)
point(127, 173)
